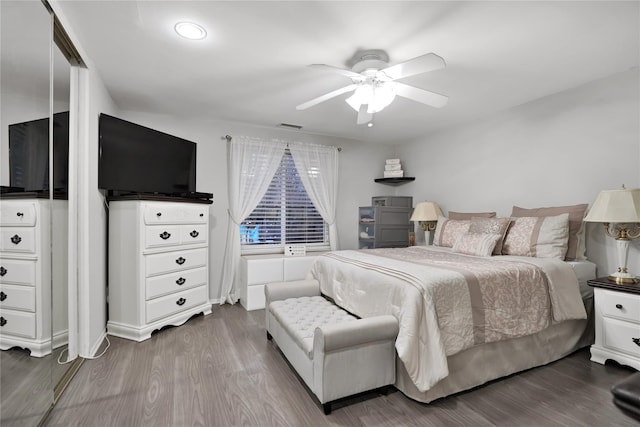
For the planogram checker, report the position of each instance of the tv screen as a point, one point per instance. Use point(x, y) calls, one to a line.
point(29, 154)
point(137, 159)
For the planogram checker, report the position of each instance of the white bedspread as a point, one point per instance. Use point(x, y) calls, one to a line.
point(437, 304)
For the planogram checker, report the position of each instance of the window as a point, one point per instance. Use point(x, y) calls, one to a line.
point(285, 215)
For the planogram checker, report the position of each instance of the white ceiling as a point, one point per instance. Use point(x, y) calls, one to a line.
point(252, 67)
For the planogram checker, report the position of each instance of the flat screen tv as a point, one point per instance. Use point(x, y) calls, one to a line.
point(137, 159)
point(29, 154)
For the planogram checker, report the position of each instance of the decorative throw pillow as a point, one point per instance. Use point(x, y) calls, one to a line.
point(491, 226)
point(576, 246)
point(542, 237)
point(479, 244)
point(469, 215)
point(448, 231)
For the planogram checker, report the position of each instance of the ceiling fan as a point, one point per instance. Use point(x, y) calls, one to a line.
point(374, 84)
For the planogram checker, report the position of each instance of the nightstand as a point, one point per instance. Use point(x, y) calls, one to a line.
point(617, 311)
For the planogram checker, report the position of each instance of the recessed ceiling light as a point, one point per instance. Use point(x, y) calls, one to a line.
point(190, 31)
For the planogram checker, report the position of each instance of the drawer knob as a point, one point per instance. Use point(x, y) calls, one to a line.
point(194, 234)
point(165, 235)
point(180, 261)
point(16, 239)
point(3, 271)
point(181, 281)
point(3, 321)
point(181, 301)
point(159, 214)
point(636, 340)
point(20, 214)
point(201, 215)
point(619, 306)
point(3, 296)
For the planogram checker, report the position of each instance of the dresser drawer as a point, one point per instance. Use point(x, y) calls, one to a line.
point(192, 234)
point(169, 262)
point(175, 214)
point(19, 323)
point(619, 305)
point(174, 282)
point(18, 297)
point(17, 271)
point(162, 235)
point(17, 214)
point(175, 303)
point(619, 335)
point(18, 239)
point(171, 235)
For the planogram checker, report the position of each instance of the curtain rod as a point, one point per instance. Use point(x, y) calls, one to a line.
point(229, 138)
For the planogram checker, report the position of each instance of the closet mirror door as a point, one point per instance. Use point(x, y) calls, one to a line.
point(59, 199)
point(26, 390)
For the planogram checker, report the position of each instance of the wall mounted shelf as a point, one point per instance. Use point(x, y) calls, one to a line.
point(395, 181)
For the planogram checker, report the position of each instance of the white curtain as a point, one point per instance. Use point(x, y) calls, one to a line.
point(317, 166)
point(251, 164)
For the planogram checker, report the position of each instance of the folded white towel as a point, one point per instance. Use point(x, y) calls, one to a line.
point(395, 167)
point(393, 161)
point(394, 174)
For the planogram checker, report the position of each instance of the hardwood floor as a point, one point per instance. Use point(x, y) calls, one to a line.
point(220, 370)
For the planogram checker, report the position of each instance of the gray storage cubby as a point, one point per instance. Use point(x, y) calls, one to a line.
point(398, 201)
point(383, 226)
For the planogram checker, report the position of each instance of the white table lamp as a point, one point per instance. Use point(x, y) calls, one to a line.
point(426, 213)
point(621, 207)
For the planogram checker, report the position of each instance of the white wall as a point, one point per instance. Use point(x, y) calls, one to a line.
point(360, 163)
point(559, 150)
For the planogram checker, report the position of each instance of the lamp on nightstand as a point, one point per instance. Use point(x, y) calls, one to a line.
point(621, 207)
point(426, 213)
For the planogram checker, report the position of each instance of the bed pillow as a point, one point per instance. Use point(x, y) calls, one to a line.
point(577, 246)
point(469, 215)
point(538, 236)
point(448, 231)
point(479, 244)
point(497, 226)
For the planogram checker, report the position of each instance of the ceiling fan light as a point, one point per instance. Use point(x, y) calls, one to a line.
point(383, 94)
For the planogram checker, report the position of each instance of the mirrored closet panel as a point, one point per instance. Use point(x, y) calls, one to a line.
point(34, 311)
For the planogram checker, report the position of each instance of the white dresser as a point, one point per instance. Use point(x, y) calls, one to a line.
point(617, 315)
point(26, 274)
point(158, 265)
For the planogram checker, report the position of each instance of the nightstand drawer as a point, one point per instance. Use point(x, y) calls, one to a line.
point(619, 305)
point(17, 323)
point(18, 297)
point(175, 303)
point(18, 239)
point(620, 335)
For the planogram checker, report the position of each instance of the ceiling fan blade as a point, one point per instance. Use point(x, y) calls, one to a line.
point(363, 115)
point(420, 95)
point(342, 71)
point(418, 65)
point(326, 97)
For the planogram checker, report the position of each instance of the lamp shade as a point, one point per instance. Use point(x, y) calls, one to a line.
point(616, 206)
point(426, 211)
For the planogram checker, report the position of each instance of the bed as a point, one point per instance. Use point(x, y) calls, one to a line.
point(465, 318)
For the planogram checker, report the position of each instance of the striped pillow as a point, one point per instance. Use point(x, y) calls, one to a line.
point(479, 244)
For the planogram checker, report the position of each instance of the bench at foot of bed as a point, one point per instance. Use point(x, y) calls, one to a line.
point(335, 353)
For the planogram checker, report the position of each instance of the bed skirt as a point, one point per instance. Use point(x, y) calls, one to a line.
point(483, 363)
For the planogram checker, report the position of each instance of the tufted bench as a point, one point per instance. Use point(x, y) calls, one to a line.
point(335, 353)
